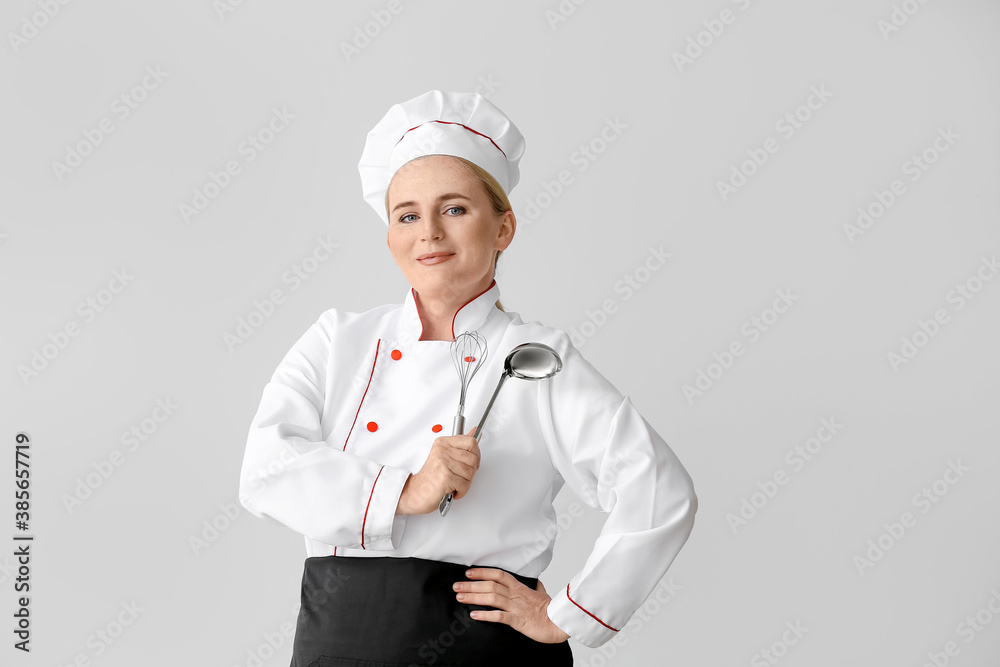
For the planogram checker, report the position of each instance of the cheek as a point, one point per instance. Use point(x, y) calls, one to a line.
point(396, 245)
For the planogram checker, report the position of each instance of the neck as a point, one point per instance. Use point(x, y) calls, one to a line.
point(437, 311)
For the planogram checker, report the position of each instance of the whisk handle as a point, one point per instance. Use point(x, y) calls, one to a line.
point(458, 428)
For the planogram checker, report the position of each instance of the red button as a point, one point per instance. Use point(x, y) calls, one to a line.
point(396, 354)
point(436, 428)
point(372, 426)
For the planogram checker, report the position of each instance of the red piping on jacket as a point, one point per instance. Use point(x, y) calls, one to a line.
point(448, 122)
point(372, 374)
point(366, 509)
point(365, 394)
point(453, 317)
point(588, 613)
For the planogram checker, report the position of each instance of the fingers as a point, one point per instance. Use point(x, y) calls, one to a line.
point(455, 459)
point(462, 468)
point(465, 458)
point(465, 443)
point(459, 447)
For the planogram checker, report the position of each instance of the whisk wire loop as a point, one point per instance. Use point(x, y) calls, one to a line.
point(468, 352)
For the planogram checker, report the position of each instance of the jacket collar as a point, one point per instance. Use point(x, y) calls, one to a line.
point(469, 317)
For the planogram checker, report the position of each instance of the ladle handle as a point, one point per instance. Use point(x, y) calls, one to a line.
point(489, 406)
point(445, 503)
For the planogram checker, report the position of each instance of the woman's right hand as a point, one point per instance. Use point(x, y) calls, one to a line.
point(450, 466)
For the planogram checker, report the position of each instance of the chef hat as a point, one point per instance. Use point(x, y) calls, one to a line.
point(465, 125)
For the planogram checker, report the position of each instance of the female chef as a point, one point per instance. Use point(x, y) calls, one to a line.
point(348, 446)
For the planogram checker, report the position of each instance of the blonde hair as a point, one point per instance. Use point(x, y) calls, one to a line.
point(498, 200)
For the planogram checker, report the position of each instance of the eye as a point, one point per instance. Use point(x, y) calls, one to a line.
point(404, 218)
point(452, 208)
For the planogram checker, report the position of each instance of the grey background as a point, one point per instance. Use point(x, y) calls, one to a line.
point(229, 601)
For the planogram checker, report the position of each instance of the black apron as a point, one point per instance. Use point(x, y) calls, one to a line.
point(402, 612)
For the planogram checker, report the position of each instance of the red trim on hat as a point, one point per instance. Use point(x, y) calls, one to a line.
point(448, 122)
point(588, 613)
point(363, 395)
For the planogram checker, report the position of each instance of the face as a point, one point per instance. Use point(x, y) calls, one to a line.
point(443, 233)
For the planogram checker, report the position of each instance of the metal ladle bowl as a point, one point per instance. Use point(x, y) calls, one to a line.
point(527, 361)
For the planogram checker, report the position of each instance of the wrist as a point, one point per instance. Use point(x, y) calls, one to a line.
point(402, 507)
point(406, 498)
point(561, 635)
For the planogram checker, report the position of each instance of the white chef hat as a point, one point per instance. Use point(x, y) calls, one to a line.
point(465, 125)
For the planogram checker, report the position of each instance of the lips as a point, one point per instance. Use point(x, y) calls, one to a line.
point(435, 257)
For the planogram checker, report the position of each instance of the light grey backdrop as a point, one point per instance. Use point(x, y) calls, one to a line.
point(846, 461)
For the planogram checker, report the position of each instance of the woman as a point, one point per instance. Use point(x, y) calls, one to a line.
point(348, 449)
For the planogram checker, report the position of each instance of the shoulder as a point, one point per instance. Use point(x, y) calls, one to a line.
point(577, 371)
point(534, 331)
point(337, 320)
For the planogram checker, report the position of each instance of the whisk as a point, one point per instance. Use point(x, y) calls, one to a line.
point(468, 352)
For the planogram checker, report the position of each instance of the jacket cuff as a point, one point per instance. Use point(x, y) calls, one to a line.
point(578, 622)
point(381, 527)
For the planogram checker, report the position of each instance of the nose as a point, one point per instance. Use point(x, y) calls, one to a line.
point(431, 228)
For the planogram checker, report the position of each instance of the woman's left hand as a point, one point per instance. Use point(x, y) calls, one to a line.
point(516, 605)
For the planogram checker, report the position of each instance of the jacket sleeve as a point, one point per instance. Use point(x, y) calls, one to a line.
point(292, 476)
point(614, 461)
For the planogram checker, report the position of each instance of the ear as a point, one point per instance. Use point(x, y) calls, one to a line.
point(508, 225)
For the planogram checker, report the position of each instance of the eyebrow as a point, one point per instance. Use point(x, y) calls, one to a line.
point(450, 195)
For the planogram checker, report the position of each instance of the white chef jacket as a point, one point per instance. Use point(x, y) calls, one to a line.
point(354, 407)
